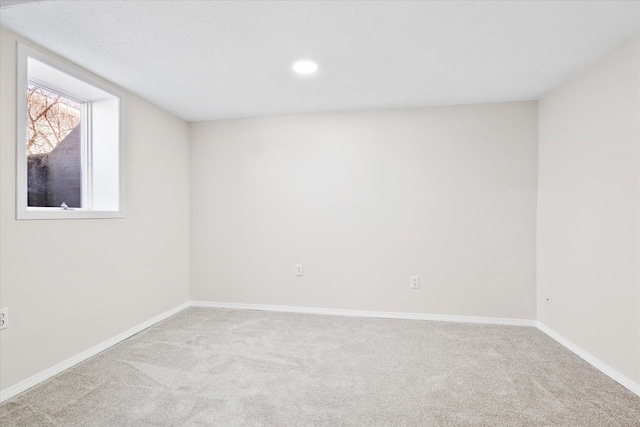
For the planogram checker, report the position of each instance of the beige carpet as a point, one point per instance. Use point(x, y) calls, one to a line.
point(211, 367)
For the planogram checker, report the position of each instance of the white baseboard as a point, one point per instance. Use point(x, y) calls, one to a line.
point(597, 363)
point(361, 313)
point(56, 369)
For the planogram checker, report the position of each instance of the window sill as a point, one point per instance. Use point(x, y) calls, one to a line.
point(57, 213)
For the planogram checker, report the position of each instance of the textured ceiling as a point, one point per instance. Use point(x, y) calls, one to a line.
point(206, 60)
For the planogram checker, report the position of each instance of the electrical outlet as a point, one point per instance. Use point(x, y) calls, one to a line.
point(415, 282)
point(298, 269)
point(4, 318)
point(547, 300)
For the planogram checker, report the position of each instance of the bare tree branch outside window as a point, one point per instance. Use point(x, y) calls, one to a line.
point(50, 118)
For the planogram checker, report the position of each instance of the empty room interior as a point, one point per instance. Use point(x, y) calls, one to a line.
point(291, 213)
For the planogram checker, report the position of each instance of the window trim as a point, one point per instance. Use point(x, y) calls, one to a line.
point(22, 210)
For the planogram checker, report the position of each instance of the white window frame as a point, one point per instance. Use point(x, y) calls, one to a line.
point(22, 210)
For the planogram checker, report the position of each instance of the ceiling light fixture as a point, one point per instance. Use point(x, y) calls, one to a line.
point(305, 66)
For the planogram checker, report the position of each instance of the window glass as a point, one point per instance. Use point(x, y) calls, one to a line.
point(54, 149)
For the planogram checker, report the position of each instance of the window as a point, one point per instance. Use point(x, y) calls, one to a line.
point(70, 146)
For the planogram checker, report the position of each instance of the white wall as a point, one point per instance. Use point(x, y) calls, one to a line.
point(589, 209)
point(72, 284)
point(364, 200)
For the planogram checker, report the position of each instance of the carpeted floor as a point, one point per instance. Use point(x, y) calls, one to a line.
point(212, 367)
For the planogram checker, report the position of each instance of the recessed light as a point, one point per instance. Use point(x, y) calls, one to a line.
point(305, 66)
